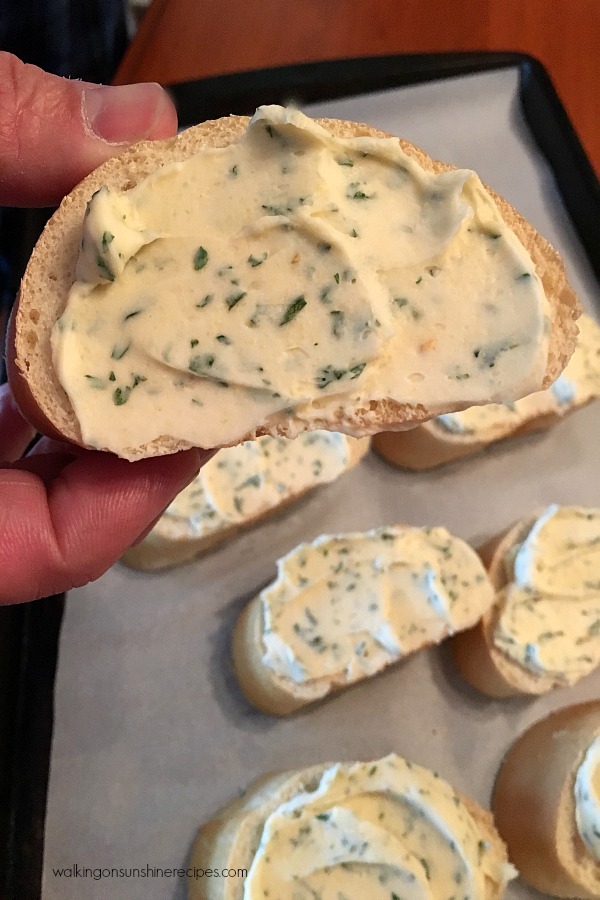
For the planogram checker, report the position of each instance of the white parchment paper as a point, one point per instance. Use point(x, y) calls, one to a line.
point(151, 734)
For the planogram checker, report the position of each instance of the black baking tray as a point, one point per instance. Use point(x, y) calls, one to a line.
point(29, 633)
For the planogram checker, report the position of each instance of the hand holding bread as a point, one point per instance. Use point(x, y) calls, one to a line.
point(67, 515)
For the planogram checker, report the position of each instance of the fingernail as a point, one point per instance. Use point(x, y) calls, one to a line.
point(123, 114)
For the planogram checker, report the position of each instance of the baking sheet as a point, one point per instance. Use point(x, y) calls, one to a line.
point(151, 735)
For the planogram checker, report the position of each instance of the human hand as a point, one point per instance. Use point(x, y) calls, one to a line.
point(67, 514)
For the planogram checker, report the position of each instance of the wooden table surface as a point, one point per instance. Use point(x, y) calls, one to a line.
point(181, 40)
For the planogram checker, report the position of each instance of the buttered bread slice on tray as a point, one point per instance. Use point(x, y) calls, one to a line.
point(274, 275)
point(453, 435)
point(381, 830)
point(345, 607)
point(239, 487)
point(543, 630)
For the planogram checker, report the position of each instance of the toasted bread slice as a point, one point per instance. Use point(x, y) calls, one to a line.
point(51, 271)
point(534, 803)
point(242, 831)
point(184, 533)
point(344, 608)
point(478, 657)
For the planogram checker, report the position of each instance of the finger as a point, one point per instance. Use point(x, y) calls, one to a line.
point(46, 467)
point(53, 131)
point(62, 536)
point(15, 432)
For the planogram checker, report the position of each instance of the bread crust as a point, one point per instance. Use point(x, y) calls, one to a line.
point(476, 657)
point(266, 690)
point(231, 838)
point(162, 550)
point(534, 806)
point(51, 271)
point(428, 445)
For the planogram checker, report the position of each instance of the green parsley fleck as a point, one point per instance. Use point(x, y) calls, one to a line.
point(233, 299)
point(119, 351)
point(200, 258)
point(337, 322)
point(107, 238)
point(96, 382)
point(199, 364)
point(251, 481)
point(327, 375)
point(354, 192)
point(205, 301)
point(223, 339)
point(121, 395)
point(356, 370)
point(257, 260)
point(293, 309)
point(105, 269)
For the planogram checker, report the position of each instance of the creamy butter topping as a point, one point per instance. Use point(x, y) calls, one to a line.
point(242, 482)
point(288, 272)
point(383, 830)
point(587, 799)
point(550, 619)
point(344, 607)
point(578, 383)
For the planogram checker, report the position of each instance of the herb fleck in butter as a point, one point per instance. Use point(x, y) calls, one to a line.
point(200, 258)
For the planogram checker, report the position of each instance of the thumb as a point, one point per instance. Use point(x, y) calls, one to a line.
point(54, 131)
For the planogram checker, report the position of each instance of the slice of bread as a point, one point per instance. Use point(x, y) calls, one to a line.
point(534, 803)
point(51, 271)
point(432, 444)
point(352, 606)
point(474, 651)
point(232, 840)
point(181, 535)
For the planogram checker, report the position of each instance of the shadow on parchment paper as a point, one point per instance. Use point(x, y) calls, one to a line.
point(225, 686)
point(455, 688)
point(482, 709)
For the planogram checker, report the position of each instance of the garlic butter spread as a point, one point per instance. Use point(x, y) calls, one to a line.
point(293, 272)
point(550, 620)
point(244, 481)
point(344, 607)
point(383, 830)
point(578, 383)
point(587, 799)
